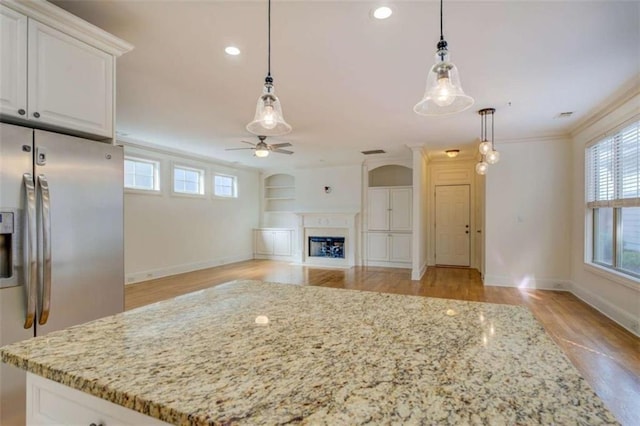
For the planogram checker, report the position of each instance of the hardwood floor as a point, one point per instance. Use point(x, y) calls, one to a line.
point(607, 355)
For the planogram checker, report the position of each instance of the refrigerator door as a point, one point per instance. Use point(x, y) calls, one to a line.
point(16, 145)
point(85, 233)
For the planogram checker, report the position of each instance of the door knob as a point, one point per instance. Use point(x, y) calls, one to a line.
point(21, 111)
point(466, 232)
point(36, 114)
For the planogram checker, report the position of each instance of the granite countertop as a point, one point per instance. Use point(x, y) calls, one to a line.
point(327, 356)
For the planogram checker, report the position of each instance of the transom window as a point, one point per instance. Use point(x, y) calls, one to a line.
point(187, 180)
point(141, 174)
point(225, 186)
point(613, 200)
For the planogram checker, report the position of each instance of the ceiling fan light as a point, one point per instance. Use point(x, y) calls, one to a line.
point(262, 152)
point(268, 120)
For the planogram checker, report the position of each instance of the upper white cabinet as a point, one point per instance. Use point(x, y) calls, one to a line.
point(57, 71)
point(389, 209)
point(13, 63)
point(70, 83)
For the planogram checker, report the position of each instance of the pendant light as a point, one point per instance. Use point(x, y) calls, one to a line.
point(488, 153)
point(444, 94)
point(268, 120)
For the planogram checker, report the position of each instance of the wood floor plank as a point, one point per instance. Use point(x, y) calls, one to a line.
point(607, 355)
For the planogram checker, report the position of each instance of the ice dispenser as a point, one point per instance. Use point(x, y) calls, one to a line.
point(8, 249)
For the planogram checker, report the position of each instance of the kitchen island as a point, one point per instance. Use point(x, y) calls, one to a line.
point(326, 356)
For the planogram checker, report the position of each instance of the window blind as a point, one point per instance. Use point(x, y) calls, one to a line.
point(613, 170)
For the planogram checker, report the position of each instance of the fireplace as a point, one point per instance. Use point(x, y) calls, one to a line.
point(331, 247)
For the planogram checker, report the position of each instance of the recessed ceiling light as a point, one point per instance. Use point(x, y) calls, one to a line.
point(382, 12)
point(232, 50)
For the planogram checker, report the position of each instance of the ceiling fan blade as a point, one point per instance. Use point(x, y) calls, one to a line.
point(236, 149)
point(280, 145)
point(282, 151)
point(250, 143)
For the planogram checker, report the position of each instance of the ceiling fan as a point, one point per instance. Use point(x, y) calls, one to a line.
point(262, 149)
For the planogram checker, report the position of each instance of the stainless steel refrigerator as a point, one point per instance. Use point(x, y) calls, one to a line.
point(61, 241)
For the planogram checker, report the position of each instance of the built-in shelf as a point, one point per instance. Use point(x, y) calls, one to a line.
point(279, 193)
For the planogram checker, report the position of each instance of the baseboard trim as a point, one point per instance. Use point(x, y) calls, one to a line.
point(529, 283)
point(136, 277)
point(608, 309)
point(420, 273)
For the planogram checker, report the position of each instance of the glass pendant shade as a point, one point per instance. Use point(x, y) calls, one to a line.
point(444, 94)
point(493, 157)
point(268, 120)
point(481, 168)
point(484, 147)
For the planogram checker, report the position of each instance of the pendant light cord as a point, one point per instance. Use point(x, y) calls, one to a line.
point(269, 43)
point(441, 33)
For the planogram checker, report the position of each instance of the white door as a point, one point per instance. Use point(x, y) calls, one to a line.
point(378, 246)
point(401, 209)
point(70, 82)
point(452, 225)
point(13, 63)
point(378, 209)
point(400, 247)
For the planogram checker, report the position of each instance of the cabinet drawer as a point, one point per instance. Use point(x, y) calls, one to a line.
point(50, 403)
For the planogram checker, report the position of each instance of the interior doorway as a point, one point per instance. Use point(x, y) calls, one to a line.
point(452, 225)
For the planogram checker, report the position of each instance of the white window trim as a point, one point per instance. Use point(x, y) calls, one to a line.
point(203, 180)
point(608, 272)
point(157, 165)
point(224, 197)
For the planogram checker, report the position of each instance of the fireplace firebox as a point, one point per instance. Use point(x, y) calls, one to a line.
point(332, 247)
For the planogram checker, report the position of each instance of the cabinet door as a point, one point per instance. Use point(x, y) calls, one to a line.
point(264, 242)
point(400, 247)
point(401, 209)
point(378, 209)
point(70, 82)
point(13, 63)
point(282, 243)
point(377, 246)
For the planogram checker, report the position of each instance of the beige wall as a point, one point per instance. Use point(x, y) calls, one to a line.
point(528, 215)
point(167, 234)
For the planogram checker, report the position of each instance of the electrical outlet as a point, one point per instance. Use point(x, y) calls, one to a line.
point(149, 275)
point(558, 286)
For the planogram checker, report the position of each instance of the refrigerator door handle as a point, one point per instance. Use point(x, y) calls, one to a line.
point(31, 269)
point(45, 301)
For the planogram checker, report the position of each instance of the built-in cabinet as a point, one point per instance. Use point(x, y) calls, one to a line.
point(273, 242)
point(53, 80)
point(389, 225)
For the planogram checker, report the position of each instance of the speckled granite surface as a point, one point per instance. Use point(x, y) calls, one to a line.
point(326, 357)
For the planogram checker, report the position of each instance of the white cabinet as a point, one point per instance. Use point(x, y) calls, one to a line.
point(13, 63)
point(389, 222)
point(389, 247)
point(270, 242)
point(389, 209)
point(56, 71)
point(70, 83)
point(50, 403)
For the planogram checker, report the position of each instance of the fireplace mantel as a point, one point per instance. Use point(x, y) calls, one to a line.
point(328, 224)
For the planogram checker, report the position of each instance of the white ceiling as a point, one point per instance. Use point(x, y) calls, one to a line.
point(348, 82)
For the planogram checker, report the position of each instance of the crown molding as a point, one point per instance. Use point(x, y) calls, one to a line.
point(157, 149)
point(58, 18)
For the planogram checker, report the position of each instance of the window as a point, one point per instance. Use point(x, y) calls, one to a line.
point(188, 181)
point(141, 174)
point(225, 186)
point(613, 200)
